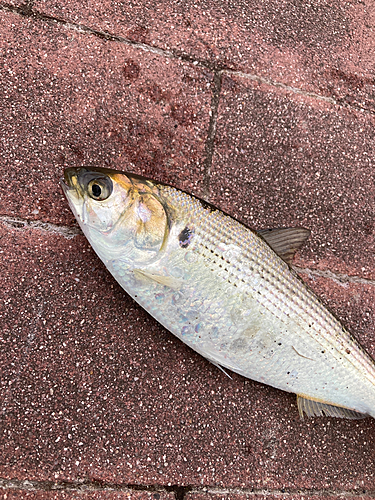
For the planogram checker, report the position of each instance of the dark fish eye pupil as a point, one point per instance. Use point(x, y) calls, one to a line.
point(99, 189)
point(96, 190)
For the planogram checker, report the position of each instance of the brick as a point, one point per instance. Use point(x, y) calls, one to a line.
point(70, 99)
point(283, 159)
point(325, 47)
point(10, 494)
point(104, 393)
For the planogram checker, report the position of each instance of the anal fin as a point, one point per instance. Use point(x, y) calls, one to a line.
point(318, 409)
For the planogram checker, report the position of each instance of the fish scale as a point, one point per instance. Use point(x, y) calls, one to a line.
point(221, 289)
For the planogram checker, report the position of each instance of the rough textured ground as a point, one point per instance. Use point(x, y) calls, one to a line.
point(264, 108)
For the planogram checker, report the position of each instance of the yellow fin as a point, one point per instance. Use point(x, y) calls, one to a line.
point(318, 409)
point(285, 241)
point(168, 281)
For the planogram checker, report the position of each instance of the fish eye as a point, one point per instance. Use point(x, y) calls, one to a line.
point(100, 189)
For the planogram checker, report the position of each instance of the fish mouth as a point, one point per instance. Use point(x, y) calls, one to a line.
point(70, 176)
point(70, 185)
point(64, 186)
point(70, 181)
point(67, 182)
point(73, 192)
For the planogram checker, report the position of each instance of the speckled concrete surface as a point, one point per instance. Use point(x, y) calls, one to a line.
point(97, 400)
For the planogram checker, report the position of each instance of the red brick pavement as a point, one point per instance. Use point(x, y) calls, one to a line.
point(264, 108)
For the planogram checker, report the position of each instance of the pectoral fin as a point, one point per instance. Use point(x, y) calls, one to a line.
point(318, 409)
point(162, 279)
point(285, 241)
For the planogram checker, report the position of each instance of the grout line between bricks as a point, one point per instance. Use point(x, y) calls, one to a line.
point(340, 278)
point(70, 232)
point(18, 223)
point(285, 492)
point(81, 486)
point(272, 83)
point(27, 10)
point(180, 492)
point(91, 486)
point(210, 143)
point(296, 90)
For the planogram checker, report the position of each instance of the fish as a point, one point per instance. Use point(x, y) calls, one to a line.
point(225, 290)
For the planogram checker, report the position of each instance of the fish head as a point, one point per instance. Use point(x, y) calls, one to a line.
point(119, 213)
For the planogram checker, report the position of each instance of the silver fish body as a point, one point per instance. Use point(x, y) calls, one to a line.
point(221, 289)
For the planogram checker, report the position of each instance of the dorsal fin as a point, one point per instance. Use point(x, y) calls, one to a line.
point(318, 409)
point(285, 241)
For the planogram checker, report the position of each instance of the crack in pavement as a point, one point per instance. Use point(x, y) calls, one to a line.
point(340, 278)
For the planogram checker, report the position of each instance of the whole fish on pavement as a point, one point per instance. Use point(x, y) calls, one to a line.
point(226, 291)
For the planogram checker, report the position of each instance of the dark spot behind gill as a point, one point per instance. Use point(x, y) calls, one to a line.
point(185, 237)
